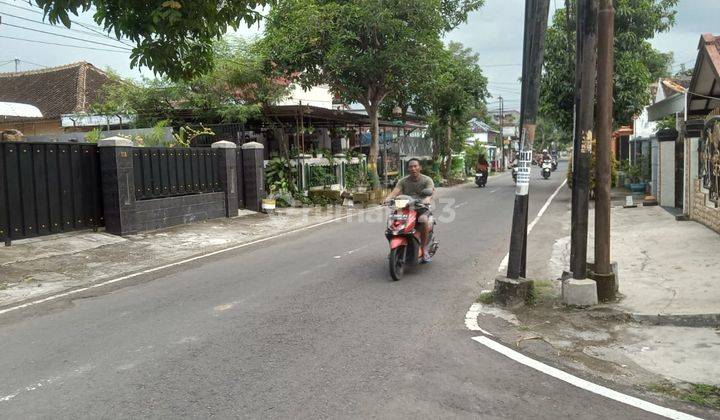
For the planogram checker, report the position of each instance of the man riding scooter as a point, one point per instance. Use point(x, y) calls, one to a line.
point(413, 185)
point(481, 171)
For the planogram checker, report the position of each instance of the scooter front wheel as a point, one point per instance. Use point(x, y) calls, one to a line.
point(396, 261)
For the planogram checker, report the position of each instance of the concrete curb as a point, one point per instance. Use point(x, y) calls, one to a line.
point(686, 320)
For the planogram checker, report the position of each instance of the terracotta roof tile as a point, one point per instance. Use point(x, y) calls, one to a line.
point(57, 90)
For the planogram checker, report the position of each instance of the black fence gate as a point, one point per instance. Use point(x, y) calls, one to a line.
point(48, 188)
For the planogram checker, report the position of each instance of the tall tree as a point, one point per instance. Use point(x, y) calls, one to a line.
point(172, 37)
point(235, 89)
point(365, 50)
point(637, 63)
point(459, 89)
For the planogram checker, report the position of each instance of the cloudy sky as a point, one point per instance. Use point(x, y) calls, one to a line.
point(494, 32)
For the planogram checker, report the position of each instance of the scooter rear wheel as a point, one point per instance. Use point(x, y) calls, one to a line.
point(396, 261)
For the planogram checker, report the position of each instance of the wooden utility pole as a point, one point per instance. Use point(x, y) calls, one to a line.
point(536, 17)
point(585, 69)
point(502, 136)
point(606, 32)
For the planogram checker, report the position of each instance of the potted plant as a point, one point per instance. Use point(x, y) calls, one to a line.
point(633, 174)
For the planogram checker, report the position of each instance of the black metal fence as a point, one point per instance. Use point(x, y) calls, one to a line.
point(166, 172)
point(48, 188)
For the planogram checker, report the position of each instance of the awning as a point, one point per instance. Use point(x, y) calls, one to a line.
point(15, 109)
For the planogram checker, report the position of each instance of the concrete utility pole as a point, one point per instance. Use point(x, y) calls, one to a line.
point(606, 31)
point(585, 68)
point(536, 17)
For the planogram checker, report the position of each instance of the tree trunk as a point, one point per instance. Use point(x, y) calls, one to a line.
point(372, 111)
point(448, 151)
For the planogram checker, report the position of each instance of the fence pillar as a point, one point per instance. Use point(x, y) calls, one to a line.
point(118, 185)
point(227, 175)
point(340, 169)
point(253, 175)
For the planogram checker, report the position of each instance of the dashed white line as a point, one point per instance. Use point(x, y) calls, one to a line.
point(493, 191)
point(582, 383)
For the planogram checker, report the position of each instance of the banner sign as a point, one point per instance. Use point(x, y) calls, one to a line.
point(522, 184)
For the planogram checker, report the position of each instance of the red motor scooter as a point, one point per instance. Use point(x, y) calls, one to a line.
point(405, 240)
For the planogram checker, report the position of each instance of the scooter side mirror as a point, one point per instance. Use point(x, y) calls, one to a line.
point(427, 192)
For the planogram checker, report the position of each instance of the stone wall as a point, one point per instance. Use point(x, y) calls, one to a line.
point(702, 210)
point(160, 213)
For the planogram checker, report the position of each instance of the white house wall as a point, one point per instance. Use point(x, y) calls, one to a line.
point(667, 174)
point(319, 96)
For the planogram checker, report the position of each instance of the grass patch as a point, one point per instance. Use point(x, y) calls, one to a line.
point(540, 290)
point(701, 394)
point(485, 297)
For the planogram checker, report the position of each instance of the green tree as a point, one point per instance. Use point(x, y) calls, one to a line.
point(172, 37)
point(459, 89)
point(637, 64)
point(234, 90)
point(365, 50)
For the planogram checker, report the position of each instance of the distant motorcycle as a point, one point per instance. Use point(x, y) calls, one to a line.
point(554, 163)
point(514, 173)
point(546, 168)
point(480, 179)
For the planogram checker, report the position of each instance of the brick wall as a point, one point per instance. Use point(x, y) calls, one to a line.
point(703, 211)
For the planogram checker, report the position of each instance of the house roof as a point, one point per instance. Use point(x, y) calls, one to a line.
point(478, 126)
point(67, 89)
point(705, 83)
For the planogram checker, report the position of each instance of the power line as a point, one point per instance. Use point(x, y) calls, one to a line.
point(42, 13)
point(62, 27)
point(64, 36)
point(500, 65)
point(61, 45)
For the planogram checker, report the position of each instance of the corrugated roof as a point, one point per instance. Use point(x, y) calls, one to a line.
point(67, 89)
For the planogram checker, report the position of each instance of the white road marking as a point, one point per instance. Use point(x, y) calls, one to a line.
point(504, 262)
point(491, 192)
point(583, 384)
point(182, 262)
point(471, 319)
point(461, 204)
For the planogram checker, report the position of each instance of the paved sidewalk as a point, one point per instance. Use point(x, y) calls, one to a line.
point(665, 326)
point(668, 269)
point(38, 267)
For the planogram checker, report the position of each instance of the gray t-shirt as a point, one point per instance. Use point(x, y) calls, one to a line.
point(411, 187)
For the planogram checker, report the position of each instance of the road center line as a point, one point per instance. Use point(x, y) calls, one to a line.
point(582, 383)
point(181, 262)
point(504, 262)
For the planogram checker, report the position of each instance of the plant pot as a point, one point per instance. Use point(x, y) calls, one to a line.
point(268, 204)
point(637, 187)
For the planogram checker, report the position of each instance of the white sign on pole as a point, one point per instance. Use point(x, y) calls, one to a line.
point(522, 185)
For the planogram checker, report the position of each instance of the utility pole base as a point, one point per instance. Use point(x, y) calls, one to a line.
point(512, 292)
point(607, 284)
point(581, 293)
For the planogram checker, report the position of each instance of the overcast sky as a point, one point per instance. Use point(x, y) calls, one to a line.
point(494, 32)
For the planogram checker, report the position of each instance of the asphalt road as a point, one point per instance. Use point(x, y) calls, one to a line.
point(305, 326)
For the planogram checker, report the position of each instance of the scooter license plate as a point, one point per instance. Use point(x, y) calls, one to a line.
point(398, 217)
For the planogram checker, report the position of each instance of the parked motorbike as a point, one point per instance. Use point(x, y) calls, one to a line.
point(405, 241)
point(514, 173)
point(480, 179)
point(546, 169)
